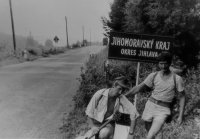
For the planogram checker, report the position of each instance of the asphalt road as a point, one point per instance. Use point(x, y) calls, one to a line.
point(35, 95)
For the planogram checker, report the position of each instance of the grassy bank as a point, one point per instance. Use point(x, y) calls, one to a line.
point(9, 57)
point(92, 79)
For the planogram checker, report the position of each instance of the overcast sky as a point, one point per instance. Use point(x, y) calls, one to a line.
point(46, 18)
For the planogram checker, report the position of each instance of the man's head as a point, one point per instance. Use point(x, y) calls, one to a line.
point(120, 85)
point(164, 60)
point(165, 56)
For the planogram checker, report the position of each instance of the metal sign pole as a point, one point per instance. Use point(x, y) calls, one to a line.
point(137, 80)
point(106, 70)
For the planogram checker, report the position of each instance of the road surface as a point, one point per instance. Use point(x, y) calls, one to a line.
point(35, 95)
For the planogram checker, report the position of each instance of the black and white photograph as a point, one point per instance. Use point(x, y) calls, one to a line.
point(99, 69)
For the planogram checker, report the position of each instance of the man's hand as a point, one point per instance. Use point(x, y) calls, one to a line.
point(95, 130)
point(180, 120)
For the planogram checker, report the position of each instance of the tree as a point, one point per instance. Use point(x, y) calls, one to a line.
point(85, 42)
point(116, 16)
point(30, 42)
point(49, 43)
point(78, 43)
point(178, 18)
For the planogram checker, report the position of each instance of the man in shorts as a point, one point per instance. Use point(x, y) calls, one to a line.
point(102, 106)
point(157, 107)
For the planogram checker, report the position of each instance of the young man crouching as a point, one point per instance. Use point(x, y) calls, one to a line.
point(103, 105)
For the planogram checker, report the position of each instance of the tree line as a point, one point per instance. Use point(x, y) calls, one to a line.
point(177, 18)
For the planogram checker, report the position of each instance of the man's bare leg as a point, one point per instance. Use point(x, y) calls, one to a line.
point(107, 132)
point(155, 128)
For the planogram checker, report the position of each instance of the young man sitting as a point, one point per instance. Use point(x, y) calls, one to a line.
point(102, 106)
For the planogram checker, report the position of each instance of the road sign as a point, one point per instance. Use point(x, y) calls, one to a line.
point(137, 47)
point(56, 39)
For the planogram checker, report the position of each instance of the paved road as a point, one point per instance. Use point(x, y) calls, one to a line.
point(34, 95)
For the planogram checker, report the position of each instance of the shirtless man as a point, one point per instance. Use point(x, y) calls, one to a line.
point(157, 107)
point(102, 106)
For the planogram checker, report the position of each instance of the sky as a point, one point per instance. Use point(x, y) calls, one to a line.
point(45, 19)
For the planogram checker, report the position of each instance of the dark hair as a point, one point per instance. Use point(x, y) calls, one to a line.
point(165, 56)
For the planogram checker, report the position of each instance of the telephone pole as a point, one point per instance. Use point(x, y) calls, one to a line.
point(12, 22)
point(83, 35)
point(90, 38)
point(67, 32)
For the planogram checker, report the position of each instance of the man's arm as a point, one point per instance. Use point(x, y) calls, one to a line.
point(135, 89)
point(129, 107)
point(92, 104)
point(131, 130)
point(182, 107)
point(175, 70)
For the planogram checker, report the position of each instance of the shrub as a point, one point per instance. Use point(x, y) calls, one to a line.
point(75, 45)
point(33, 51)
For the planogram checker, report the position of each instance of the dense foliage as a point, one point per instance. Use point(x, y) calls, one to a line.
point(117, 17)
point(8, 56)
point(31, 42)
point(49, 43)
point(177, 18)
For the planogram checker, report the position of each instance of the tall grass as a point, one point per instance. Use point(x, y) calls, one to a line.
point(92, 79)
point(9, 56)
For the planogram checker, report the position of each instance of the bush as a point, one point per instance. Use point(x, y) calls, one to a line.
point(75, 45)
point(33, 51)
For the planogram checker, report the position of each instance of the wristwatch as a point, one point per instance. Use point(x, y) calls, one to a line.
point(130, 133)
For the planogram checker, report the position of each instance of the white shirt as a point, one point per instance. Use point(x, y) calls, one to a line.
point(164, 90)
point(96, 109)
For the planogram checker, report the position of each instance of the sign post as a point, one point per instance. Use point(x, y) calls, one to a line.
point(56, 41)
point(137, 80)
point(137, 47)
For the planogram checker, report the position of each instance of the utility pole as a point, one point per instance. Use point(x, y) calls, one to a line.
point(90, 38)
point(13, 29)
point(83, 35)
point(67, 32)
point(94, 40)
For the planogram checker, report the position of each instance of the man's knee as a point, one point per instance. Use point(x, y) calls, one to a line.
point(105, 134)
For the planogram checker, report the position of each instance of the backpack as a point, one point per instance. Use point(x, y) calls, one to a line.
point(174, 100)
